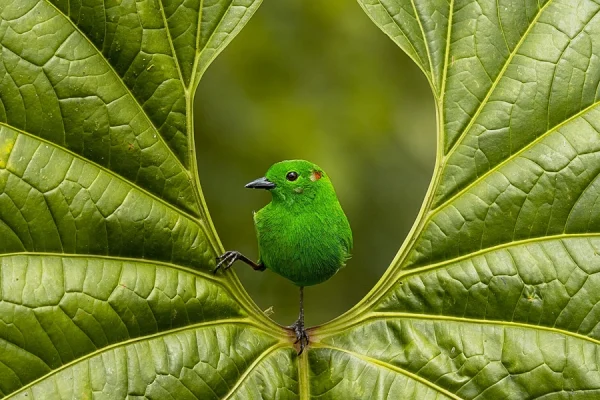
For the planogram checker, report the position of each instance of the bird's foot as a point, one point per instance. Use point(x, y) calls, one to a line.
point(301, 334)
point(227, 259)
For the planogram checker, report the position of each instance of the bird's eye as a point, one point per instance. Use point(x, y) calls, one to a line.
point(291, 176)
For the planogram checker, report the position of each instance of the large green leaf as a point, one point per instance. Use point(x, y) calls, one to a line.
point(495, 292)
point(106, 248)
point(106, 245)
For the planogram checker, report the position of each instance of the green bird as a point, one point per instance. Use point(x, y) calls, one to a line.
point(303, 233)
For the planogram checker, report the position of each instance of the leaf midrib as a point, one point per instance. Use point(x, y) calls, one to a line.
point(431, 267)
point(492, 88)
point(440, 104)
point(262, 357)
point(124, 86)
point(513, 156)
point(303, 376)
point(416, 58)
point(392, 368)
point(194, 81)
point(201, 274)
point(426, 43)
point(172, 47)
point(200, 325)
point(252, 310)
point(387, 315)
point(108, 171)
point(391, 280)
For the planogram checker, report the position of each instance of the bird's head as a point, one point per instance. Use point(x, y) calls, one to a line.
point(294, 181)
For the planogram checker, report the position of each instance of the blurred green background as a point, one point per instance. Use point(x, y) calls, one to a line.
point(318, 81)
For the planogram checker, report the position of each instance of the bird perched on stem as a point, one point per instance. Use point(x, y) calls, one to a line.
point(303, 233)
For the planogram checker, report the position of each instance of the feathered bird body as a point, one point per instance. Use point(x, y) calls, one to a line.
point(306, 242)
point(303, 234)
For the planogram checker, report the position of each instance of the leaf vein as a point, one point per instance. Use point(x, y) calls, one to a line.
point(514, 156)
point(265, 354)
point(393, 368)
point(87, 357)
point(507, 62)
point(122, 83)
point(128, 182)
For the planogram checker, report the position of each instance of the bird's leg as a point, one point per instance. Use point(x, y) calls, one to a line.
point(229, 257)
point(298, 326)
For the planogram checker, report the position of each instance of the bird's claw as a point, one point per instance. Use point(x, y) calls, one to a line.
point(301, 334)
point(226, 260)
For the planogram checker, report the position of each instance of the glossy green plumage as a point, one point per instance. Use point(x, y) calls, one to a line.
point(303, 233)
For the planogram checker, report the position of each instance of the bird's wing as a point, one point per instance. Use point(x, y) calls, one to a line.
point(254, 214)
point(347, 246)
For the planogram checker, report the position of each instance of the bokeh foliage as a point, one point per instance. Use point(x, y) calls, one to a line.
point(339, 94)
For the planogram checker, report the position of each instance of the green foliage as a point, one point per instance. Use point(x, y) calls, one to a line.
point(106, 245)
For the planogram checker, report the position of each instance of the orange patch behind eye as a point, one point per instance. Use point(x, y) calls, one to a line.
point(315, 176)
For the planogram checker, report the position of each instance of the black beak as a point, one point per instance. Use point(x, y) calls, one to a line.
point(261, 183)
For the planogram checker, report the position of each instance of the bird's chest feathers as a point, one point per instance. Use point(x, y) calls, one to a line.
point(300, 239)
point(289, 229)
